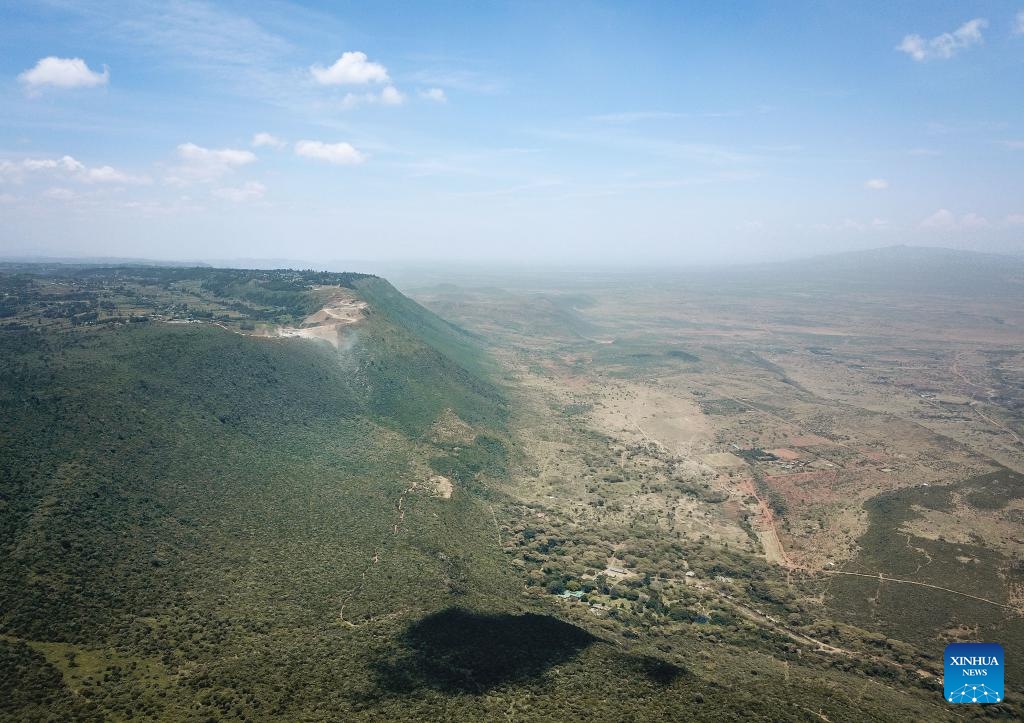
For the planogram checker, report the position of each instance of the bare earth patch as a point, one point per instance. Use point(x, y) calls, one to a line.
point(342, 309)
point(442, 486)
point(652, 413)
point(723, 460)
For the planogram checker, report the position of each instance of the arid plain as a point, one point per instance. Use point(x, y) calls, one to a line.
point(858, 432)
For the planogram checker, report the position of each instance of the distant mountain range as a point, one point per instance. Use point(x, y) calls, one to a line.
point(923, 269)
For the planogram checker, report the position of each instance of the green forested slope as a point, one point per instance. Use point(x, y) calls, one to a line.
point(197, 504)
point(416, 364)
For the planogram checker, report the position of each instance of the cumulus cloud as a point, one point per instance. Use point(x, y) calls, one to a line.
point(217, 157)
point(973, 220)
point(67, 167)
point(391, 96)
point(945, 45)
point(250, 191)
point(109, 174)
point(342, 154)
point(876, 184)
point(435, 94)
point(63, 73)
point(388, 96)
point(1018, 23)
point(946, 220)
point(266, 139)
point(352, 68)
point(207, 164)
point(943, 218)
point(64, 163)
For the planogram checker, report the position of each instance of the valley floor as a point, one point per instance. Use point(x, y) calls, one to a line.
point(842, 470)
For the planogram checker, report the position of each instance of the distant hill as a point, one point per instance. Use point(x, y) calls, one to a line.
point(913, 268)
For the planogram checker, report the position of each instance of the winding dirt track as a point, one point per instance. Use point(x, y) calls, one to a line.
point(883, 578)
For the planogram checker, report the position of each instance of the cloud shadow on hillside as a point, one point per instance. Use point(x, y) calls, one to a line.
point(459, 651)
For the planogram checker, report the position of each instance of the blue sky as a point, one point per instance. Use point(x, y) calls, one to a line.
point(564, 132)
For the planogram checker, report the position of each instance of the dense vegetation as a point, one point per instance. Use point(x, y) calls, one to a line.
point(174, 499)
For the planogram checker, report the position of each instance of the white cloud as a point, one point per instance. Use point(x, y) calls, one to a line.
point(342, 154)
point(220, 157)
point(1018, 23)
point(435, 94)
point(945, 45)
point(914, 46)
point(206, 164)
point(943, 218)
point(352, 68)
point(1014, 145)
point(63, 73)
point(266, 139)
point(946, 220)
point(109, 174)
point(391, 96)
point(973, 220)
point(67, 167)
point(250, 191)
point(388, 96)
point(64, 163)
point(876, 184)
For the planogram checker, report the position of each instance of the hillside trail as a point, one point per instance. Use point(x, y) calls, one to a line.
point(883, 578)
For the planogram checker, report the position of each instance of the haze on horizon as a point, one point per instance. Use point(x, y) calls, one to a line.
point(583, 132)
